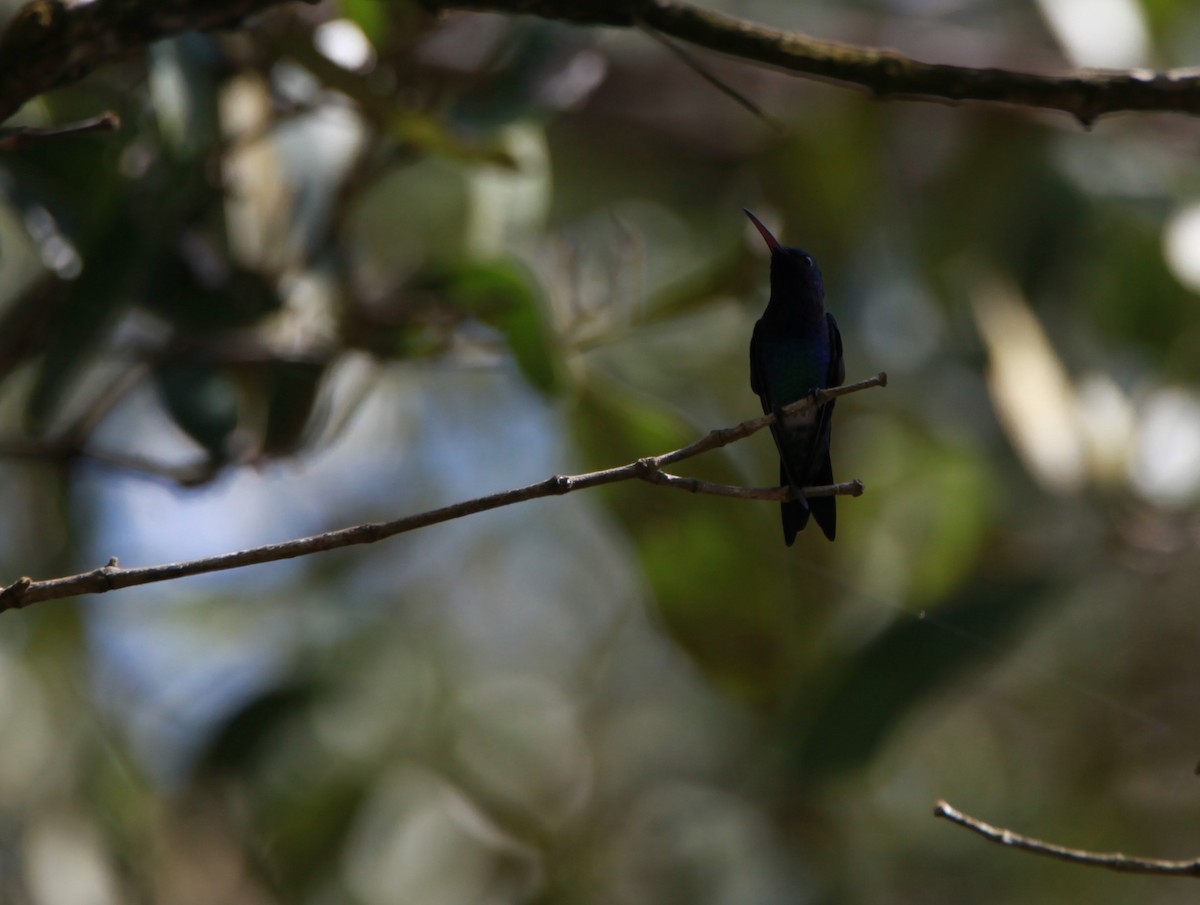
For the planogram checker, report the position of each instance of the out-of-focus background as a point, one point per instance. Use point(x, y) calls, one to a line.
point(351, 261)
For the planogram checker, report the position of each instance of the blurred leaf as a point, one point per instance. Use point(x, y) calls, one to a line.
point(717, 594)
point(613, 424)
point(905, 666)
point(203, 400)
point(505, 296)
point(183, 86)
point(247, 737)
point(425, 133)
point(28, 321)
point(1133, 296)
point(938, 509)
point(412, 129)
point(371, 16)
point(522, 66)
point(308, 828)
point(412, 219)
point(71, 185)
point(836, 141)
point(292, 389)
point(226, 296)
point(1024, 218)
point(91, 305)
point(714, 565)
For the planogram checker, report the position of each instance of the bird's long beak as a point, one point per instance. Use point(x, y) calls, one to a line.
point(772, 242)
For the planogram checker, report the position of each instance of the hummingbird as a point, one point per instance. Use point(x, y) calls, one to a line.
point(796, 349)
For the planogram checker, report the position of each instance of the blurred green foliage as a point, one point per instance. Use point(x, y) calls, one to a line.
point(352, 261)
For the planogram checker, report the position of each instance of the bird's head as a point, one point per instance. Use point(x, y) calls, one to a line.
point(793, 270)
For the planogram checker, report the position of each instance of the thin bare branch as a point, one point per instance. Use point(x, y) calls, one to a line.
point(188, 474)
point(111, 577)
point(705, 73)
point(1107, 860)
point(21, 138)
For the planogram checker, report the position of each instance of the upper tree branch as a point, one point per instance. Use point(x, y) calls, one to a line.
point(50, 44)
point(26, 591)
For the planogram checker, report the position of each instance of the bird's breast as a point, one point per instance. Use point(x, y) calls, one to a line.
point(794, 366)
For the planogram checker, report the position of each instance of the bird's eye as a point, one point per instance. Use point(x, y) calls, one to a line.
point(808, 262)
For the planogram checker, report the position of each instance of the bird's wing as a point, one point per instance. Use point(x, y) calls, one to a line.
point(837, 367)
point(824, 509)
point(757, 382)
point(835, 376)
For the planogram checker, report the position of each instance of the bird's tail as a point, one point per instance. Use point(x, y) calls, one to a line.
point(824, 508)
point(795, 512)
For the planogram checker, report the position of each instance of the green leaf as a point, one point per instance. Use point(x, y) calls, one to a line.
point(410, 128)
point(505, 296)
point(240, 298)
point(309, 828)
point(614, 424)
point(183, 86)
point(91, 305)
point(369, 15)
point(27, 321)
point(717, 568)
point(245, 740)
point(292, 389)
point(530, 55)
point(203, 400)
point(1159, 313)
point(904, 666)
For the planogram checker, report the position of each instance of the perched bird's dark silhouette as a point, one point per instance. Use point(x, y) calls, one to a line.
point(797, 349)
